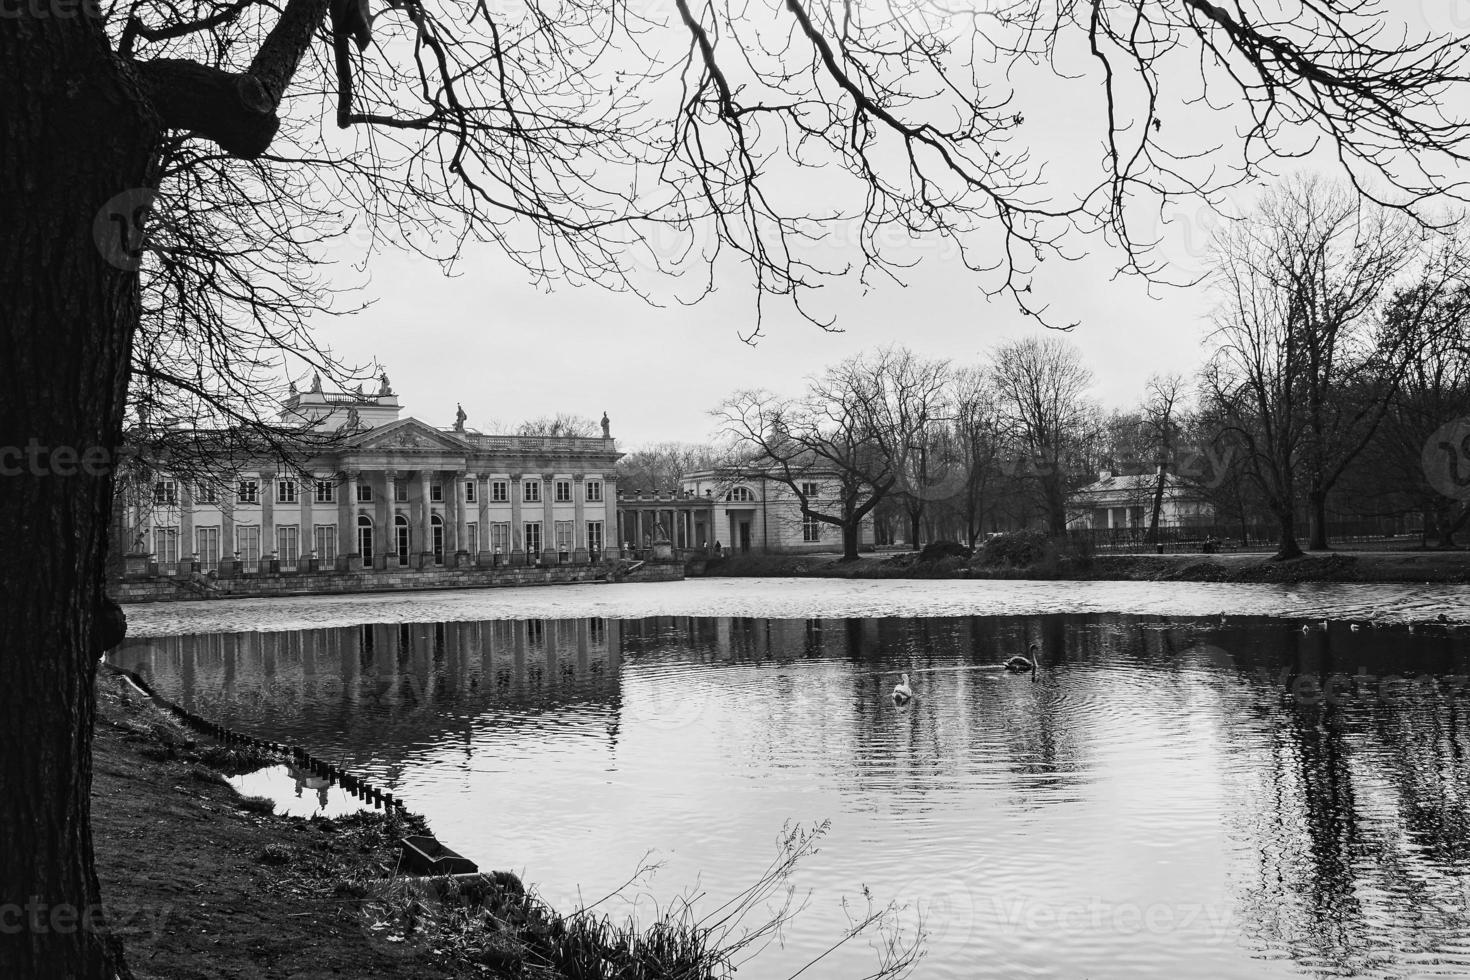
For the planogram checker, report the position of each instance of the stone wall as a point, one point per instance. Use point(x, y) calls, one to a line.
point(165, 588)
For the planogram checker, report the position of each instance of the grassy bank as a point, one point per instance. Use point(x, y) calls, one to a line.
point(1367, 566)
point(203, 884)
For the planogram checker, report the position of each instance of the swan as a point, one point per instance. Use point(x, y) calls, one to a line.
point(1018, 665)
point(901, 691)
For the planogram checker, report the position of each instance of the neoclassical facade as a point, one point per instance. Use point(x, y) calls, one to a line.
point(385, 492)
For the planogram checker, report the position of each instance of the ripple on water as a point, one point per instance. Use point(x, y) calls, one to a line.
point(830, 598)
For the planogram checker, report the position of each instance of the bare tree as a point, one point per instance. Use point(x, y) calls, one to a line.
point(974, 444)
point(1041, 390)
point(1161, 411)
point(664, 464)
point(854, 426)
point(561, 425)
point(1305, 364)
point(576, 137)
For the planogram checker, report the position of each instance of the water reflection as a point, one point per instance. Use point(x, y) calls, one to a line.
point(1167, 798)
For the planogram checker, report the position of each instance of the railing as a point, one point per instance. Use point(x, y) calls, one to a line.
point(1368, 534)
point(539, 443)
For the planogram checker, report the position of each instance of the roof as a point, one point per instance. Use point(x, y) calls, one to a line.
point(1135, 485)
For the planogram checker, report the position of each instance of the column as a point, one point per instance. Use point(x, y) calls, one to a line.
point(579, 519)
point(462, 522)
point(517, 493)
point(426, 530)
point(347, 518)
point(188, 547)
point(613, 522)
point(548, 519)
point(227, 527)
point(385, 533)
point(267, 514)
point(482, 494)
point(305, 497)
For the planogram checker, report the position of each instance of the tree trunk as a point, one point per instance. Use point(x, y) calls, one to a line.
point(1317, 520)
point(1158, 508)
point(1288, 547)
point(850, 531)
point(76, 137)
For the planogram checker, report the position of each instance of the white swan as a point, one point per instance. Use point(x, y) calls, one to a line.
point(1020, 665)
point(902, 692)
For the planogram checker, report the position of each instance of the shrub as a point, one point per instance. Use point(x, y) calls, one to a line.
point(1016, 548)
point(938, 550)
point(257, 804)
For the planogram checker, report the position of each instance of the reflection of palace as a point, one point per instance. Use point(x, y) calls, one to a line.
point(382, 492)
point(394, 669)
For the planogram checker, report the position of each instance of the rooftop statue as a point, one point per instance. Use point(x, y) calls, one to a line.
point(459, 417)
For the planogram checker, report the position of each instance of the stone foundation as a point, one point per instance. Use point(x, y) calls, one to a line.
point(164, 588)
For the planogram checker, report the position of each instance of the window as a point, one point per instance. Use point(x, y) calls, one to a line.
point(811, 529)
point(288, 543)
point(533, 537)
point(248, 492)
point(206, 546)
point(531, 491)
point(326, 491)
point(400, 491)
point(499, 491)
point(285, 491)
point(594, 536)
point(472, 537)
point(563, 535)
point(740, 495)
point(324, 541)
point(469, 491)
point(811, 490)
point(436, 532)
point(594, 490)
point(365, 540)
point(563, 491)
point(436, 492)
point(166, 492)
point(247, 543)
point(364, 493)
point(166, 544)
point(206, 493)
point(500, 538)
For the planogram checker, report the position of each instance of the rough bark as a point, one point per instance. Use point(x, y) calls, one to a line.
point(76, 144)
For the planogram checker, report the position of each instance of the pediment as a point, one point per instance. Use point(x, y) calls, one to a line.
point(409, 434)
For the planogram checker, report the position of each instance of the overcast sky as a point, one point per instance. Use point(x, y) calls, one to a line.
point(509, 351)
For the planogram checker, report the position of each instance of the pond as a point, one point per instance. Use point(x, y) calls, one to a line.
point(1171, 794)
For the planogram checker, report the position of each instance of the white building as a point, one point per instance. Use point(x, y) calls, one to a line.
point(381, 492)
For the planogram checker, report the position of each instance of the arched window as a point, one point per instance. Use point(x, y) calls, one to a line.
point(436, 528)
point(365, 540)
point(400, 538)
point(742, 495)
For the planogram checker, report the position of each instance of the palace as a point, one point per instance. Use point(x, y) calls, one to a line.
point(378, 492)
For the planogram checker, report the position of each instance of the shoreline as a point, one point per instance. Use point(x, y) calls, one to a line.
point(1334, 566)
point(200, 882)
